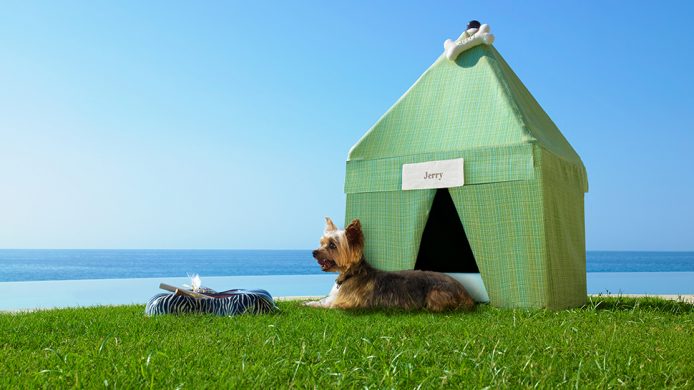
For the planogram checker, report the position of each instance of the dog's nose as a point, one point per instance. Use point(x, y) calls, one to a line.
point(315, 253)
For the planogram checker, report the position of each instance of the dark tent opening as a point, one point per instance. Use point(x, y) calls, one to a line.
point(444, 246)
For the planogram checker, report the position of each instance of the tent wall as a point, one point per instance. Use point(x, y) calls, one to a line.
point(503, 222)
point(393, 222)
point(483, 165)
point(564, 226)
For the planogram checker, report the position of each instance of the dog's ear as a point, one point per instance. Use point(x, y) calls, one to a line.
point(329, 225)
point(355, 237)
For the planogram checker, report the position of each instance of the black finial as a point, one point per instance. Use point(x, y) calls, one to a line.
point(473, 24)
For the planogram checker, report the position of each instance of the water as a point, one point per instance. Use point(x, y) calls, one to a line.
point(36, 265)
point(26, 265)
point(601, 261)
point(67, 278)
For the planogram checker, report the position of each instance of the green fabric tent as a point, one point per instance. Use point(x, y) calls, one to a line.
point(522, 203)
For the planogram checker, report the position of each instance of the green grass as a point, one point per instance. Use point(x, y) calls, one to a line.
point(609, 343)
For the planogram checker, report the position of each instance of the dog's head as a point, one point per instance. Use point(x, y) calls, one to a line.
point(340, 249)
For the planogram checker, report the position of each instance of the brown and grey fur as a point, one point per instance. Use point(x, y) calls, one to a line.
point(360, 286)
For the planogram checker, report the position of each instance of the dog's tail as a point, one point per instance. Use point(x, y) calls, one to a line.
point(466, 301)
point(448, 299)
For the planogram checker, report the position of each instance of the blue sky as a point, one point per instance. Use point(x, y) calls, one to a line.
point(226, 125)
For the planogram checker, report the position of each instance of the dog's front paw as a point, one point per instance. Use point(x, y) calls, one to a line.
point(313, 304)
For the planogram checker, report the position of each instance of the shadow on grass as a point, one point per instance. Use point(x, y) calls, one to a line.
point(620, 303)
point(388, 312)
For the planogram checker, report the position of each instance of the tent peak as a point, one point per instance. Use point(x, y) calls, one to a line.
point(474, 35)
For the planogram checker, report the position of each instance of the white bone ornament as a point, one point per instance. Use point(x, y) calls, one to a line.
point(469, 39)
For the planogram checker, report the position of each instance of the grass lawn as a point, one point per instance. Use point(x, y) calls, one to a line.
point(642, 342)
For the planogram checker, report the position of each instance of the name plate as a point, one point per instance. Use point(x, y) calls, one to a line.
point(433, 174)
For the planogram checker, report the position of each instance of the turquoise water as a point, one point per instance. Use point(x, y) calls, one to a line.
point(34, 265)
point(71, 293)
point(75, 293)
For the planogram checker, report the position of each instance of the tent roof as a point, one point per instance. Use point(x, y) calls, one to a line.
point(475, 102)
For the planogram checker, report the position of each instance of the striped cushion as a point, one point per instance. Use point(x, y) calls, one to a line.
point(226, 303)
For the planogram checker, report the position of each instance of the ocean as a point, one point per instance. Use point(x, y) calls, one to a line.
point(70, 264)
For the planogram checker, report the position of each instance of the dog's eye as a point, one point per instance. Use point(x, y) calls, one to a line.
point(332, 245)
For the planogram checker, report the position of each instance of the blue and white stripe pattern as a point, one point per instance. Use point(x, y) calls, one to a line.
point(226, 303)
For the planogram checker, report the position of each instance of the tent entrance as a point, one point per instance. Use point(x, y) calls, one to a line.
point(444, 246)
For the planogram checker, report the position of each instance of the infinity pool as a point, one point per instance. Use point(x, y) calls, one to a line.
point(74, 293)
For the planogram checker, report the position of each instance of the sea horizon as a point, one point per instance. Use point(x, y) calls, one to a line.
point(285, 249)
point(79, 264)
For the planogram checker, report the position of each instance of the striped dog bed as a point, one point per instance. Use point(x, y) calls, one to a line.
point(225, 303)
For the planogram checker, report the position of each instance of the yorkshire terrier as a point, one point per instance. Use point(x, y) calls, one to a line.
point(360, 286)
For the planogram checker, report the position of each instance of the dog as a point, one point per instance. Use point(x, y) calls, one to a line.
point(361, 286)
